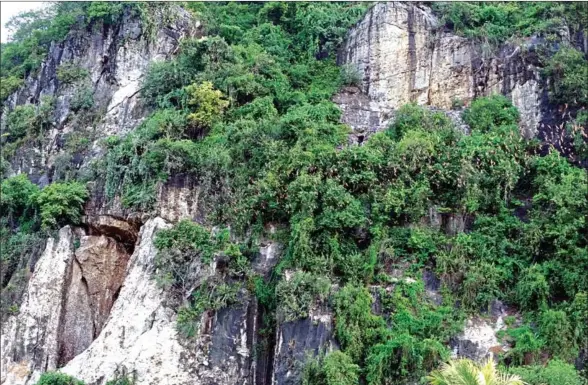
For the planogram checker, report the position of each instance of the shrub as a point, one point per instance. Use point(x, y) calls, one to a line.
point(61, 203)
point(18, 196)
point(210, 296)
point(71, 73)
point(489, 113)
point(8, 85)
point(336, 368)
point(555, 329)
point(527, 348)
point(532, 289)
point(207, 105)
point(55, 378)
point(556, 372)
point(82, 99)
point(20, 121)
point(350, 75)
point(299, 294)
point(567, 69)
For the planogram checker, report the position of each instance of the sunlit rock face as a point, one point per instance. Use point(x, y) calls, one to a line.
point(116, 58)
point(403, 55)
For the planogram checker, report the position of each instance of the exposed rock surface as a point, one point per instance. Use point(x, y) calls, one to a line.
point(479, 337)
point(297, 339)
point(30, 340)
point(141, 334)
point(116, 57)
point(403, 56)
point(141, 337)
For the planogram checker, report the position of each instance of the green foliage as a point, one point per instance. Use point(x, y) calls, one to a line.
point(206, 103)
point(527, 346)
point(299, 294)
point(82, 99)
point(568, 69)
point(466, 372)
point(486, 114)
point(18, 196)
point(555, 329)
point(532, 289)
point(334, 369)
point(61, 203)
point(556, 372)
point(495, 23)
point(247, 115)
point(71, 73)
point(350, 76)
point(179, 246)
point(8, 85)
point(20, 121)
point(211, 296)
point(55, 378)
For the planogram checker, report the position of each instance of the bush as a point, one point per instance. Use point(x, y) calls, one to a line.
point(488, 113)
point(532, 289)
point(61, 203)
point(8, 85)
point(567, 70)
point(207, 105)
point(556, 372)
point(299, 294)
point(334, 369)
point(350, 75)
point(555, 329)
point(71, 73)
point(20, 122)
point(55, 378)
point(82, 99)
point(18, 196)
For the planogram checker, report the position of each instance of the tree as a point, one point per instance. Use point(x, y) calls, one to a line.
point(55, 378)
point(208, 104)
point(466, 372)
point(61, 203)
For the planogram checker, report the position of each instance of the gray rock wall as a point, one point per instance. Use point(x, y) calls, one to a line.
point(403, 56)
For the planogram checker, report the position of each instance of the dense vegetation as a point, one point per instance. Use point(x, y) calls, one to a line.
point(247, 112)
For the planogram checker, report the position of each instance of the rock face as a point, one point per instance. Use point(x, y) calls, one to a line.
point(403, 56)
point(30, 340)
point(140, 334)
point(295, 340)
point(68, 300)
point(116, 58)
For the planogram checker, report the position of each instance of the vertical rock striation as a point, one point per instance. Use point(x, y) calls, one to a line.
point(403, 56)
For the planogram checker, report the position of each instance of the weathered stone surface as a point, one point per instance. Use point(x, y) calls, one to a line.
point(30, 340)
point(103, 264)
point(478, 339)
point(116, 57)
point(361, 113)
point(177, 199)
point(123, 231)
point(77, 324)
point(297, 339)
point(403, 56)
point(140, 334)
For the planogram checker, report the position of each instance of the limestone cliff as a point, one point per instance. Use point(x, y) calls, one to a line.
point(92, 307)
point(404, 55)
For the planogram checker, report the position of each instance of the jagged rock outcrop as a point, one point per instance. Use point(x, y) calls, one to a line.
point(296, 340)
point(30, 340)
point(403, 55)
point(116, 58)
point(141, 337)
point(67, 301)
